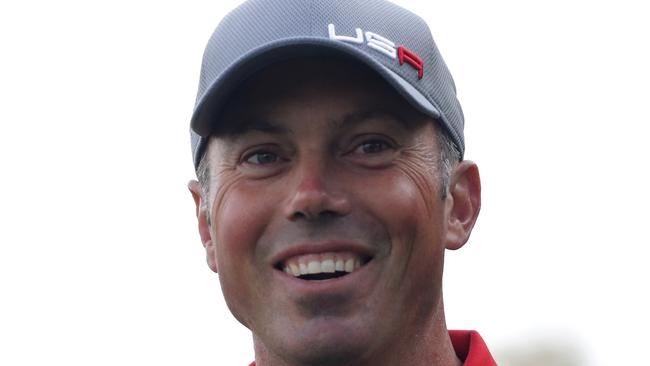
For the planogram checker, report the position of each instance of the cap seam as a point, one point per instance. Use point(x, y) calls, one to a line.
point(311, 17)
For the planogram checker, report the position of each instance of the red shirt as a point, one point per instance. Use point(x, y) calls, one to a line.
point(469, 347)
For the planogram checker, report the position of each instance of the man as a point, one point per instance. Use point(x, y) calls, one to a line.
point(328, 144)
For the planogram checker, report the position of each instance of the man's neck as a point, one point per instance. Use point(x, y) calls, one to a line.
point(440, 356)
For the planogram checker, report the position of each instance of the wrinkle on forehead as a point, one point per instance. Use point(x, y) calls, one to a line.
point(345, 122)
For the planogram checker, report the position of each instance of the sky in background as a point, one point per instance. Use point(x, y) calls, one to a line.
point(100, 259)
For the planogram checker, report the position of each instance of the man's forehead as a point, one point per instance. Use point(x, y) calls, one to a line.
point(371, 116)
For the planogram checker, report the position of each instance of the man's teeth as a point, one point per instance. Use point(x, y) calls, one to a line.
point(322, 263)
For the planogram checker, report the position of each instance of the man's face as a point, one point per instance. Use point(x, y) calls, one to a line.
point(323, 167)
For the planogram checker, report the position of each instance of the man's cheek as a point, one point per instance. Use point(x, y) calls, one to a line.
point(235, 241)
point(413, 194)
point(236, 229)
point(422, 182)
point(241, 221)
point(235, 209)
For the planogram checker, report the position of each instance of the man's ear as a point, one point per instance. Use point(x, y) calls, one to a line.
point(463, 204)
point(204, 226)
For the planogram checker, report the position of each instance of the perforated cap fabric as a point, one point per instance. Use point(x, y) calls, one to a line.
point(394, 42)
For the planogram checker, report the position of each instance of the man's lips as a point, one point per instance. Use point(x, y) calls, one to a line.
point(323, 260)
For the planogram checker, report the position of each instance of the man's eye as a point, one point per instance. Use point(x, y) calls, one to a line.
point(262, 158)
point(374, 147)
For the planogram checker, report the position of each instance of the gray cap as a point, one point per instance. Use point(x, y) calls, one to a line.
point(394, 42)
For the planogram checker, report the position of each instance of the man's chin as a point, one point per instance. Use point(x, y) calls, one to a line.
point(324, 341)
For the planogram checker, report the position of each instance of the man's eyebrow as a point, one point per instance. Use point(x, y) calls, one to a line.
point(258, 125)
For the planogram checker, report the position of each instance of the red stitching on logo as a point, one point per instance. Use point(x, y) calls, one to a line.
point(405, 55)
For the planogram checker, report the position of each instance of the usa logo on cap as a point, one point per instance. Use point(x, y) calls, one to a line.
point(383, 45)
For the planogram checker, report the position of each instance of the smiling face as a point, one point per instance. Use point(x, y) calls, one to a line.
point(327, 224)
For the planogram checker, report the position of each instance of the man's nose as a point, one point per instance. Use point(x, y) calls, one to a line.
point(316, 194)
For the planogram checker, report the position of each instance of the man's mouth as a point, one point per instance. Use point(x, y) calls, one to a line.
point(323, 266)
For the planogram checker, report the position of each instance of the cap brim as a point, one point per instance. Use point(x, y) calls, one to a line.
point(209, 104)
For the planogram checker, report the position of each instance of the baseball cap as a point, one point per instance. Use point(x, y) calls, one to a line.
point(391, 40)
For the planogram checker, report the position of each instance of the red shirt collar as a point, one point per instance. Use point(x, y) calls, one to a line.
point(469, 347)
